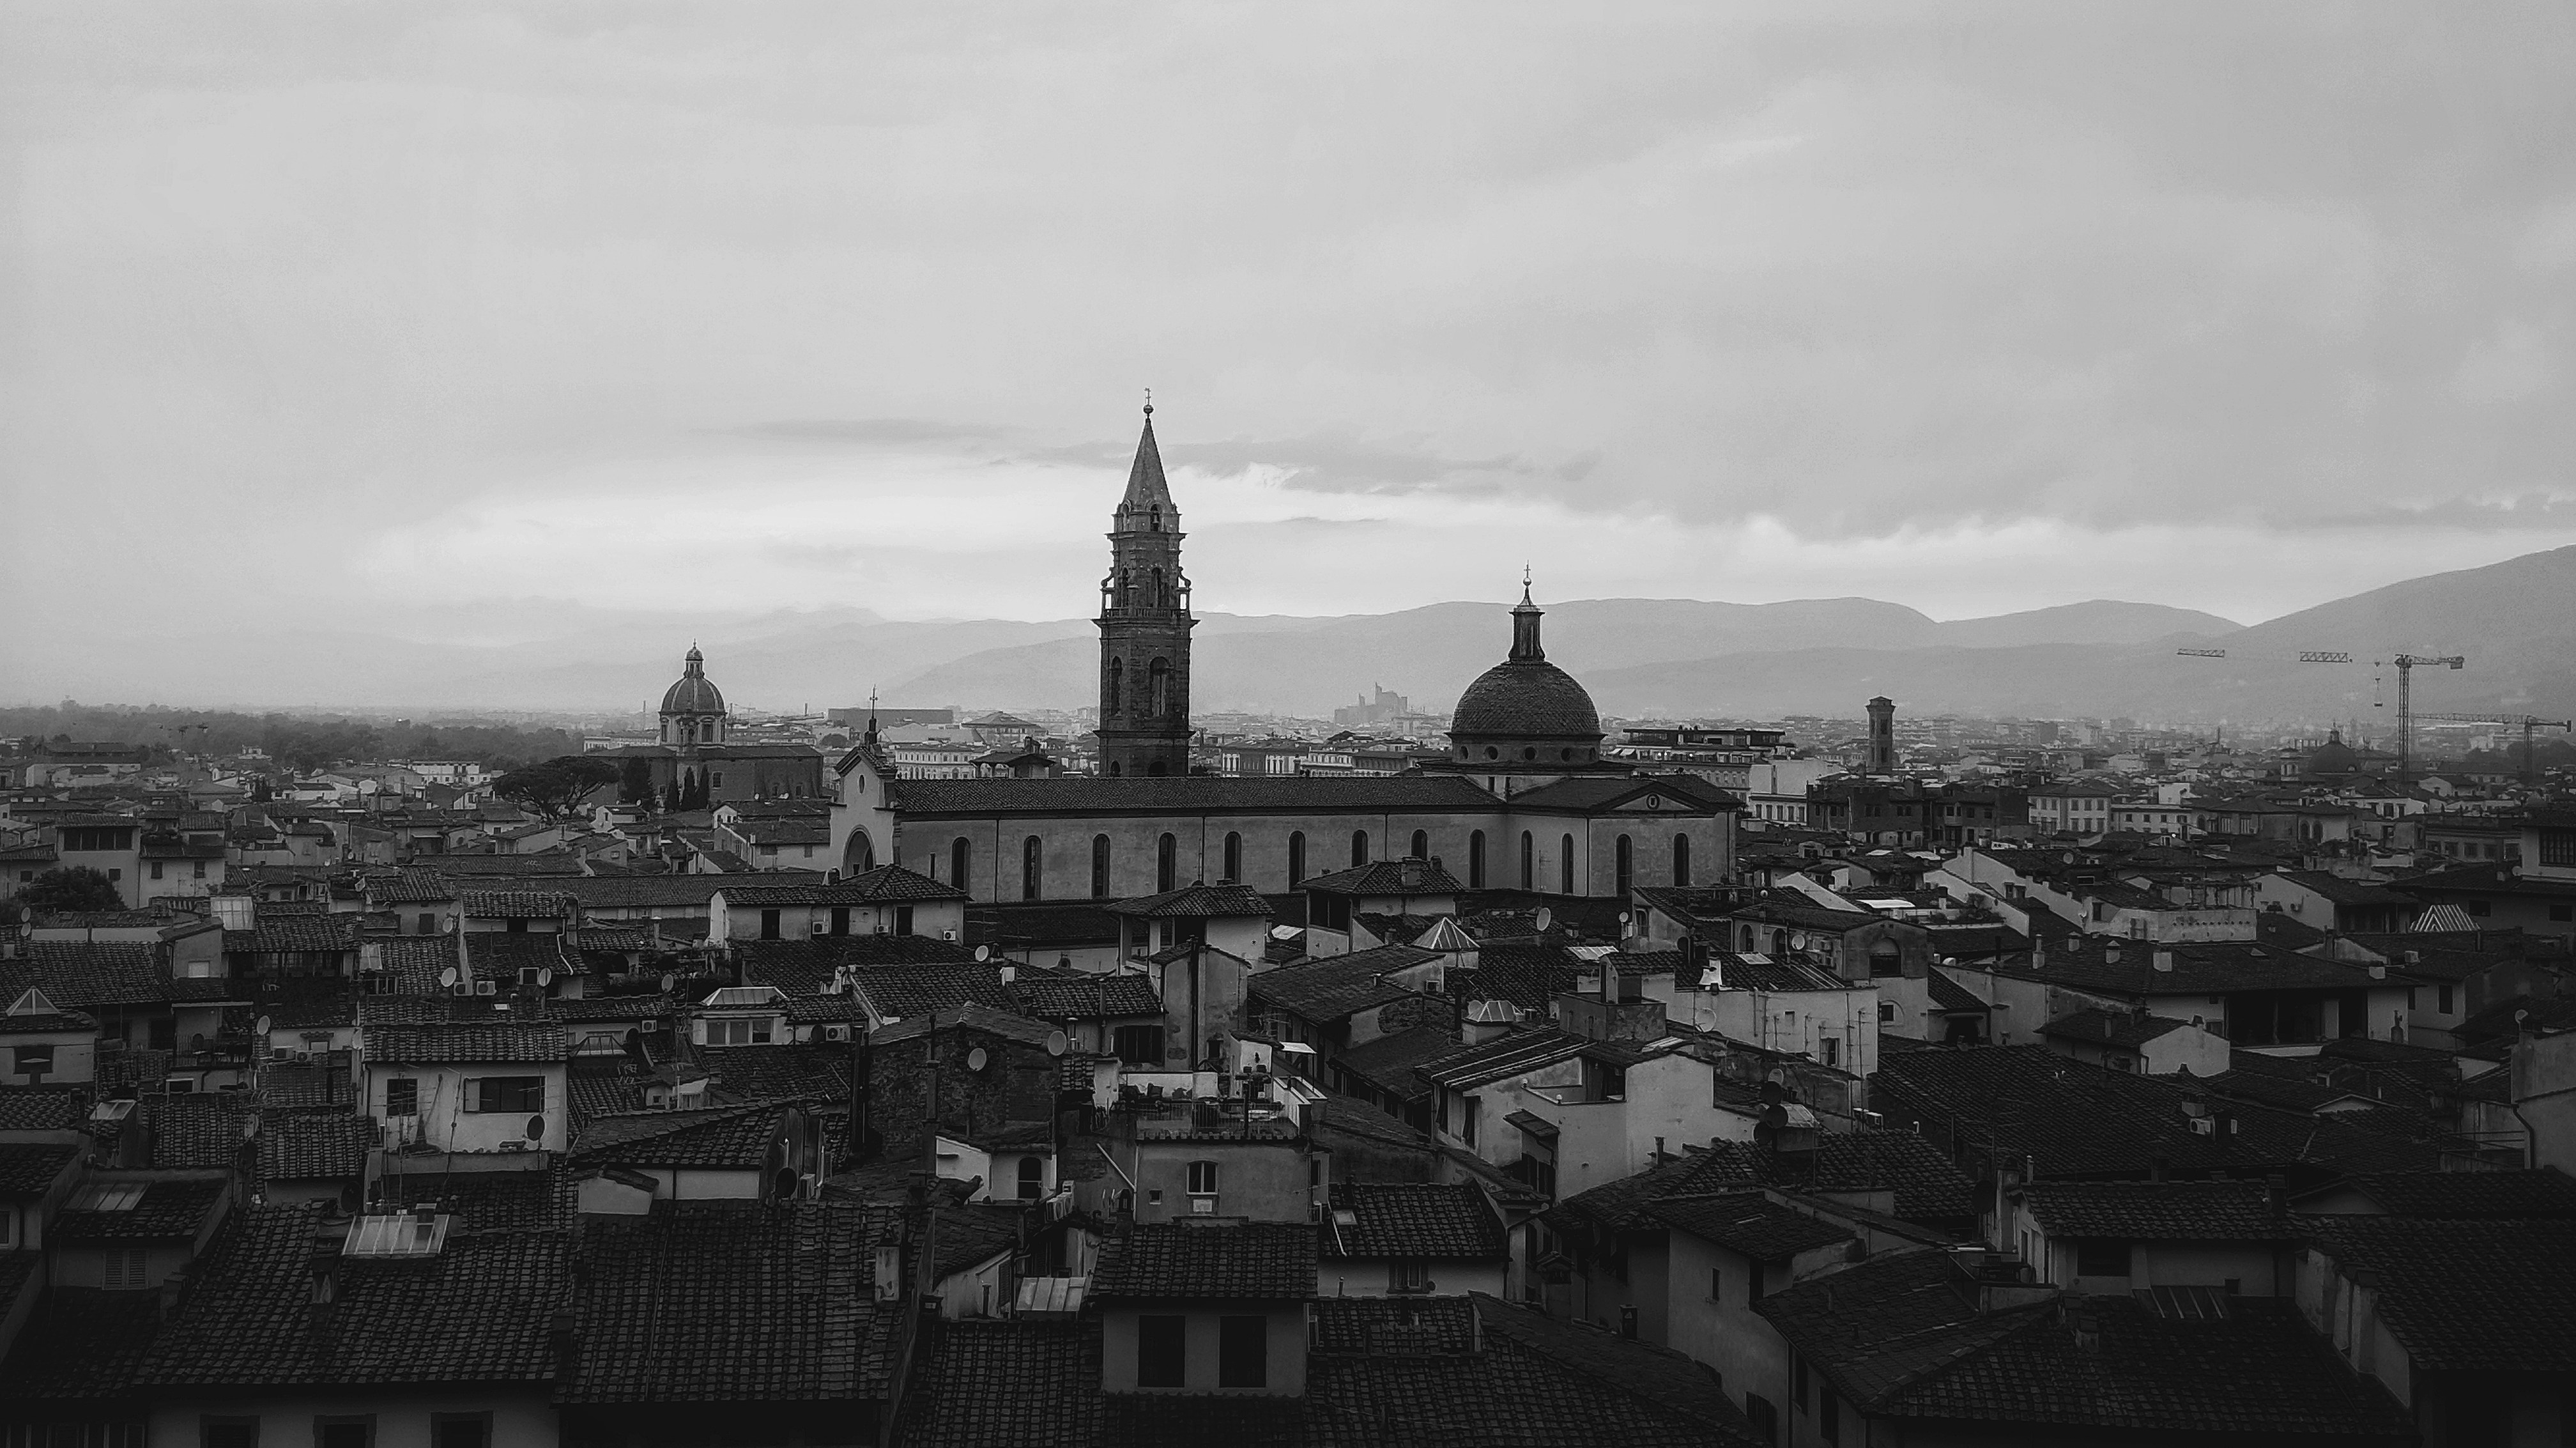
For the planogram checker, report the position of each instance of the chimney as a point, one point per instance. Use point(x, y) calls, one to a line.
point(2038, 952)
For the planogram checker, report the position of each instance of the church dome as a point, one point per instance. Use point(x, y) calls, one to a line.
point(1524, 702)
point(1525, 699)
point(2334, 757)
point(694, 693)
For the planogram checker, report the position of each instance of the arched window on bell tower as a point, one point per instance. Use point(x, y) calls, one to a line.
point(1117, 685)
point(1159, 701)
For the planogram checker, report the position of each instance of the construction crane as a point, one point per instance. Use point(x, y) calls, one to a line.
point(2406, 704)
point(2530, 761)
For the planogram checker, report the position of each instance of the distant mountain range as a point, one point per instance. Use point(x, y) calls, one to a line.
point(2515, 620)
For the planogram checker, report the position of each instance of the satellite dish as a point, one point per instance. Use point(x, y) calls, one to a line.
point(546, 975)
point(976, 1060)
point(536, 1128)
point(261, 1025)
point(983, 952)
point(1545, 918)
point(669, 982)
point(1797, 940)
point(447, 976)
point(1056, 1043)
point(1623, 917)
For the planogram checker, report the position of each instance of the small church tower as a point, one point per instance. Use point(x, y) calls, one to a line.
point(1145, 628)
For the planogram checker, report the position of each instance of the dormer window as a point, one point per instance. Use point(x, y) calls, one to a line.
point(739, 1031)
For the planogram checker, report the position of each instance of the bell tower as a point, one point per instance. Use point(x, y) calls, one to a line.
point(1145, 628)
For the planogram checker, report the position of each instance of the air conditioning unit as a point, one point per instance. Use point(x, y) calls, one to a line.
point(2204, 1126)
point(487, 987)
point(836, 1033)
point(817, 927)
point(948, 935)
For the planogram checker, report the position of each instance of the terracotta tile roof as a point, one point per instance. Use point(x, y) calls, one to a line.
point(1406, 1325)
point(1163, 1260)
point(514, 904)
point(2471, 1195)
point(1195, 902)
point(28, 1170)
point(309, 1146)
point(1508, 1055)
point(819, 1073)
point(906, 991)
point(478, 1312)
point(1949, 995)
point(884, 885)
point(41, 1108)
point(2126, 1029)
point(1746, 1222)
point(721, 1138)
point(534, 1042)
point(1928, 1186)
point(1387, 1063)
point(1007, 1384)
point(81, 1343)
point(689, 892)
point(732, 1302)
point(1388, 877)
point(1529, 976)
point(1085, 997)
point(1566, 1382)
point(486, 1201)
point(1413, 1219)
point(87, 975)
point(2472, 1296)
point(2229, 1211)
point(167, 1209)
point(804, 965)
point(294, 934)
point(1338, 987)
point(407, 887)
point(197, 1132)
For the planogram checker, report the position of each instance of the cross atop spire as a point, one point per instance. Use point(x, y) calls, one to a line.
point(1525, 584)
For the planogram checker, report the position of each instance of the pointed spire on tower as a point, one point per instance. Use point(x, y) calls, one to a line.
point(1146, 489)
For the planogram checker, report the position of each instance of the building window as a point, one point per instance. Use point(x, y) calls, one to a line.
point(1829, 1424)
point(1421, 844)
point(2101, 1257)
point(960, 856)
point(402, 1096)
point(1296, 858)
point(1623, 857)
point(197, 871)
point(1242, 1351)
point(1887, 1013)
point(1833, 1049)
point(512, 1094)
point(227, 1432)
point(1162, 1351)
point(2558, 847)
point(1565, 865)
point(1032, 855)
point(1764, 1415)
point(460, 1430)
point(156, 869)
point(124, 1268)
point(357, 1430)
point(1032, 1178)
point(840, 920)
point(736, 1031)
point(1529, 862)
point(1475, 859)
point(1233, 858)
point(1167, 863)
point(1159, 675)
point(1408, 1275)
point(1138, 1045)
point(1202, 1178)
point(1798, 1384)
point(32, 1060)
point(1099, 867)
point(1359, 848)
point(769, 925)
point(1885, 960)
point(1716, 1285)
point(1681, 861)
point(1117, 682)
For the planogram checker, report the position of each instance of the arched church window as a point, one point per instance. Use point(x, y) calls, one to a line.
point(1233, 857)
point(1117, 684)
point(1565, 865)
point(1296, 858)
point(1122, 588)
point(1681, 860)
point(858, 856)
point(1421, 844)
point(1529, 862)
point(1154, 523)
point(1159, 673)
point(1476, 859)
point(1032, 857)
point(1099, 867)
point(960, 855)
point(1359, 848)
point(1625, 857)
point(1167, 863)
point(706, 731)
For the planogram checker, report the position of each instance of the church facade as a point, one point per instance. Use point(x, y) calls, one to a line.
point(1522, 801)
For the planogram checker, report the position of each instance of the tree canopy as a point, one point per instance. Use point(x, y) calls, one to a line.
point(554, 787)
point(70, 890)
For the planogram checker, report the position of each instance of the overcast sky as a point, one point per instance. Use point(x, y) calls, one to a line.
point(371, 308)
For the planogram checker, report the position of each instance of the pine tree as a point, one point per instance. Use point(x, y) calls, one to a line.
point(671, 798)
